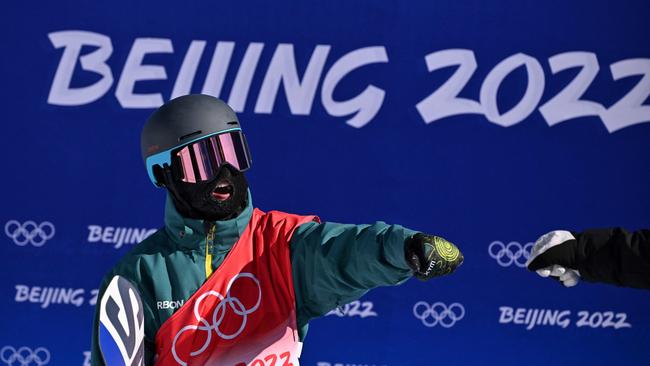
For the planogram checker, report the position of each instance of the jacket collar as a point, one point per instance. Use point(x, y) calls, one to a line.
point(191, 233)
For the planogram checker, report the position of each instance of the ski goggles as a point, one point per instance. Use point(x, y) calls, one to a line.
point(200, 160)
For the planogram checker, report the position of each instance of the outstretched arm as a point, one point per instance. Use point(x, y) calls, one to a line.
point(334, 264)
point(613, 256)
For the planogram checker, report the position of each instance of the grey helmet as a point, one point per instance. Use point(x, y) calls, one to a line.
point(182, 121)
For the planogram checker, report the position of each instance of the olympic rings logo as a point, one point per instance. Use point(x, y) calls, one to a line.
point(513, 253)
point(218, 316)
point(29, 232)
point(24, 356)
point(438, 313)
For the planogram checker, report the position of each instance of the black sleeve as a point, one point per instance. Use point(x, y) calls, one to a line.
point(615, 256)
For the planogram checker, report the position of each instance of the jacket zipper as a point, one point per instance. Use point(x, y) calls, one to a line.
point(209, 239)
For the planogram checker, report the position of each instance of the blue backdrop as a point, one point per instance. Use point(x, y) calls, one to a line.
point(488, 123)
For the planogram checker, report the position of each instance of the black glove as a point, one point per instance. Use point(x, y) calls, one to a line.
point(431, 256)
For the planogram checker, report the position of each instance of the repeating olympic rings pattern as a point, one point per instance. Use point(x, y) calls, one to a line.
point(29, 232)
point(438, 313)
point(512, 253)
point(218, 316)
point(24, 356)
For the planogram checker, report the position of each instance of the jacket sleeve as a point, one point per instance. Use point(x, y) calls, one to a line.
point(95, 353)
point(615, 256)
point(334, 264)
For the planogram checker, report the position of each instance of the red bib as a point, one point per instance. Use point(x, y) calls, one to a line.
point(245, 312)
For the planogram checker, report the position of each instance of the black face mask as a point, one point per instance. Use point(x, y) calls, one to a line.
point(200, 197)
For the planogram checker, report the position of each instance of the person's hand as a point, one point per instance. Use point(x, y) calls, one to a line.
point(554, 255)
point(431, 256)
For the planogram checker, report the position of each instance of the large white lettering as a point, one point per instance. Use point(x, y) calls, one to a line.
point(365, 105)
point(300, 94)
point(61, 93)
point(135, 71)
point(300, 90)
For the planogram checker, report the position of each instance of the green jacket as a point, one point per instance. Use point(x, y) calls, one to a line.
point(332, 264)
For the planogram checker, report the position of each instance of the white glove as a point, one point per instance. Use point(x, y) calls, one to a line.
point(556, 262)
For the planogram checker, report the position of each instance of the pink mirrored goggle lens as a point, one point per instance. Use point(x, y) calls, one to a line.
point(200, 161)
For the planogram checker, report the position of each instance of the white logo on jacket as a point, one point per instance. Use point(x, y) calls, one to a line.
point(169, 304)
